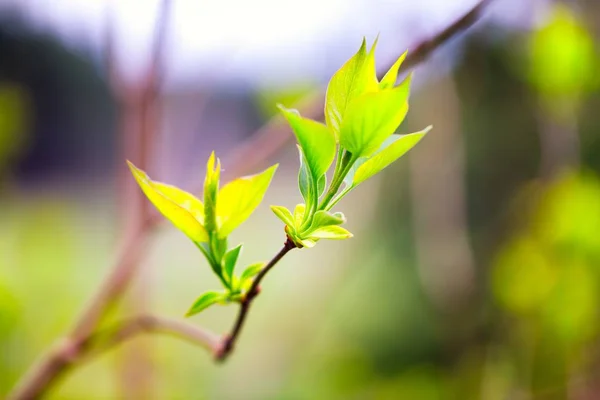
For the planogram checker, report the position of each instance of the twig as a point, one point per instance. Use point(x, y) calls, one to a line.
point(55, 363)
point(125, 330)
point(229, 340)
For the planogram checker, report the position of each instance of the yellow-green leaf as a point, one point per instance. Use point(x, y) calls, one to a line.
point(206, 300)
point(239, 198)
point(348, 83)
point(372, 118)
point(316, 140)
point(334, 232)
point(211, 188)
point(387, 156)
point(390, 77)
point(179, 207)
point(284, 214)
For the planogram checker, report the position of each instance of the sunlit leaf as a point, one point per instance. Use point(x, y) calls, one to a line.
point(324, 218)
point(306, 183)
point(387, 156)
point(321, 185)
point(390, 77)
point(239, 198)
point(348, 83)
point(182, 209)
point(299, 212)
point(372, 118)
point(249, 273)
point(330, 232)
point(284, 214)
point(211, 188)
point(316, 140)
point(206, 300)
point(229, 260)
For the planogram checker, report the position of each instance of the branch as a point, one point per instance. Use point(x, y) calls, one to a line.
point(229, 340)
point(262, 145)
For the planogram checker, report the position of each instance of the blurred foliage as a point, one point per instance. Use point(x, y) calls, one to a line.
point(14, 121)
point(564, 62)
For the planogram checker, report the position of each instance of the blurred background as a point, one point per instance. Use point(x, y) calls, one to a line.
point(474, 272)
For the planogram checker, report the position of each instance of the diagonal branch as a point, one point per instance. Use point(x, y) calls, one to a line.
point(229, 340)
point(249, 155)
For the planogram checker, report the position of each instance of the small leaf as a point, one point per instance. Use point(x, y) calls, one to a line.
point(239, 198)
point(229, 261)
point(330, 232)
point(321, 185)
point(179, 207)
point(373, 117)
point(387, 156)
point(211, 188)
point(348, 83)
point(206, 300)
point(284, 214)
point(299, 211)
point(306, 183)
point(249, 273)
point(390, 78)
point(317, 141)
point(324, 218)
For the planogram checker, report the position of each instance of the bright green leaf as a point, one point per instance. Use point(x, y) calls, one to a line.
point(211, 188)
point(239, 198)
point(179, 207)
point(317, 141)
point(306, 183)
point(372, 118)
point(229, 261)
point(324, 218)
point(299, 212)
point(387, 156)
point(330, 232)
point(390, 78)
point(250, 272)
point(206, 300)
point(321, 185)
point(348, 83)
point(284, 214)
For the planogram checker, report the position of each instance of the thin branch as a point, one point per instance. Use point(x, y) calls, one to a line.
point(229, 340)
point(260, 147)
point(125, 330)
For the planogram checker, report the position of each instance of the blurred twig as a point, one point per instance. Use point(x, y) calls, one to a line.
point(258, 148)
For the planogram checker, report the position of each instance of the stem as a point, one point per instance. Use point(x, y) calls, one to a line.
point(346, 165)
point(229, 340)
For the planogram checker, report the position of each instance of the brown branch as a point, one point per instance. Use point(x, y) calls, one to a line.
point(258, 148)
point(69, 353)
point(229, 340)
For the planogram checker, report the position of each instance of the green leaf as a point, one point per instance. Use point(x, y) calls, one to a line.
point(372, 118)
point(390, 78)
point(317, 141)
point(211, 188)
point(206, 300)
point(229, 261)
point(306, 183)
point(249, 273)
point(284, 214)
point(387, 156)
point(330, 232)
point(299, 212)
point(181, 208)
point(321, 185)
point(324, 218)
point(348, 83)
point(239, 198)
